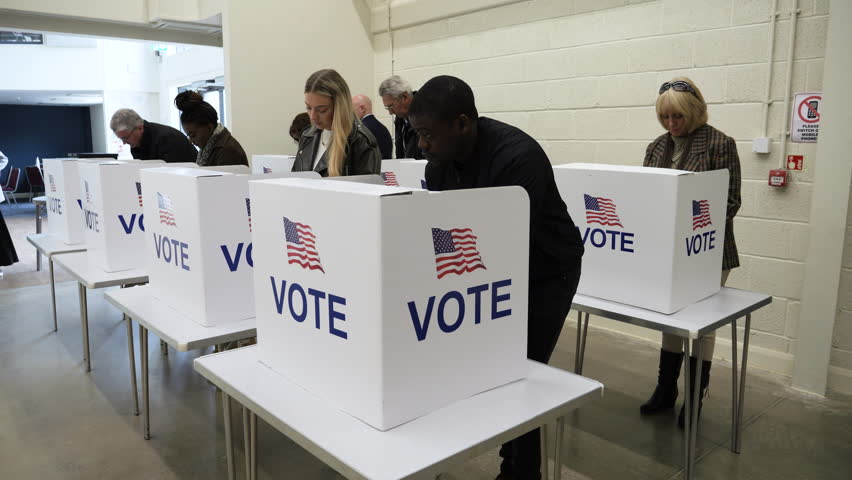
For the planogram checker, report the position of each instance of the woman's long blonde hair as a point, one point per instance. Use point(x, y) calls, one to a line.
point(329, 83)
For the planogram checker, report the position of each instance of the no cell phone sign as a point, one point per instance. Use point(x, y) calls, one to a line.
point(807, 110)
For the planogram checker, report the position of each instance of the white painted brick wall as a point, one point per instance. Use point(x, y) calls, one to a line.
point(581, 76)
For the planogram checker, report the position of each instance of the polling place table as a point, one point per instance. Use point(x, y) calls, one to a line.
point(89, 276)
point(173, 328)
point(49, 245)
point(40, 204)
point(690, 323)
point(421, 448)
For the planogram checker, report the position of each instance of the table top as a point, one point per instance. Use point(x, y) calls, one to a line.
point(693, 321)
point(423, 447)
point(50, 245)
point(42, 200)
point(78, 265)
point(168, 324)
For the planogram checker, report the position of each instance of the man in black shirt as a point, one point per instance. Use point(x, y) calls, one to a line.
point(468, 151)
point(151, 141)
point(397, 96)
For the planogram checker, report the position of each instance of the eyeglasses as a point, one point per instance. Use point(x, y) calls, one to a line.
point(124, 138)
point(390, 107)
point(678, 86)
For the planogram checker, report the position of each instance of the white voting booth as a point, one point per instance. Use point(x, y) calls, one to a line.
point(199, 252)
point(114, 223)
point(654, 237)
point(389, 302)
point(64, 202)
point(404, 172)
point(262, 164)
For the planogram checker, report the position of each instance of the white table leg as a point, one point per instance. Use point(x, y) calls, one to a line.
point(146, 404)
point(557, 456)
point(132, 355)
point(229, 445)
point(687, 410)
point(741, 395)
point(696, 399)
point(52, 293)
point(84, 318)
point(734, 391)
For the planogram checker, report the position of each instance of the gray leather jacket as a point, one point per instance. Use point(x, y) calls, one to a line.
point(362, 152)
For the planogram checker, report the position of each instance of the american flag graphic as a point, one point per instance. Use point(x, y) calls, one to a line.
point(88, 195)
point(601, 210)
point(390, 179)
point(139, 192)
point(52, 183)
point(301, 245)
point(167, 214)
point(248, 211)
point(267, 170)
point(455, 251)
point(700, 214)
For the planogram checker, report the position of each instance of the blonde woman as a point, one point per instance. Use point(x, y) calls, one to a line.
point(336, 143)
point(691, 144)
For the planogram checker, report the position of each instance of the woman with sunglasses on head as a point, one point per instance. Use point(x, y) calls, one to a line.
point(337, 143)
point(691, 144)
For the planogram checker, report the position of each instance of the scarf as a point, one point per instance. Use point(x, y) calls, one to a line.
point(203, 158)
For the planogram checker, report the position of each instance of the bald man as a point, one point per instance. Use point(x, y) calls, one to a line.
point(364, 110)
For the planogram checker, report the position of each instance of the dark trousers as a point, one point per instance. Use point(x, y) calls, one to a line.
point(549, 304)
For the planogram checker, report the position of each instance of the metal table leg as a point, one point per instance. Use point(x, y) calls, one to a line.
point(687, 411)
point(696, 398)
point(52, 293)
point(545, 451)
point(247, 441)
point(741, 395)
point(253, 429)
point(132, 354)
point(146, 404)
point(229, 445)
point(583, 342)
point(84, 318)
point(734, 392)
point(557, 456)
point(577, 347)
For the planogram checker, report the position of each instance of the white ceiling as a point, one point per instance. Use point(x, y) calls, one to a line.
point(54, 98)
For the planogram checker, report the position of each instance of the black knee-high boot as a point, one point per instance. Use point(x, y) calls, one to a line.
point(705, 381)
point(665, 394)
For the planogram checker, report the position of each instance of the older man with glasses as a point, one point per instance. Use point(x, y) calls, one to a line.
point(397, 95)
point(151, 141)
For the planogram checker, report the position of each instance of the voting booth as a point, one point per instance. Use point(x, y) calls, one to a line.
point(404, 173)
point(654, 237)
point(262, 164)
point(199, 253)
point(64, 203)
point(387, 302)
point(114, 222)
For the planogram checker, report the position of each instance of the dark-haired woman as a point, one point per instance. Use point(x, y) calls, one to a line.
point(201, 124)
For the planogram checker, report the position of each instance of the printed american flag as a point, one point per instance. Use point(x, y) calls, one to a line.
point(390, 179)
point(301, 245)
point(167, 214)
point(455, 251)
point(52, 183)
point(248, 211)
point(88, 195)
point(139, 192)
point(601, 210)
point(267, 170)
point(700, 214)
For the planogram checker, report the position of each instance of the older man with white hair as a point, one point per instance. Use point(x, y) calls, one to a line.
point(397, 95)
point(151, 141)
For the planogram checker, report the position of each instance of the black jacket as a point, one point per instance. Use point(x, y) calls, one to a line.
point(162, 142)
point(504, 155)
point(362, 153)
point(383, 137)
point(226, 151)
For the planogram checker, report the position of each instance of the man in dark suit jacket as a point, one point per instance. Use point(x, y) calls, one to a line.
point(364, 110)
point(151, 141)
point(397, 96)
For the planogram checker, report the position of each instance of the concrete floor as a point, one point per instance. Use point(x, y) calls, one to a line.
point(57, 422)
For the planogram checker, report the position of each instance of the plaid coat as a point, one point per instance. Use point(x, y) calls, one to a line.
point(709, 149)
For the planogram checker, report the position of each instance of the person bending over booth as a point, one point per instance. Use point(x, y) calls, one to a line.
point(149, 140)
point(465, 150)
point(201, 124)
point(397, 95)
point(691, 144)
point(337, 143)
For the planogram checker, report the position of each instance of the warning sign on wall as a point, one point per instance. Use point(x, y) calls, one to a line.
point(807, 109)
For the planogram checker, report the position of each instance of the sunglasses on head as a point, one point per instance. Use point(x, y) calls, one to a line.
point(678, 86)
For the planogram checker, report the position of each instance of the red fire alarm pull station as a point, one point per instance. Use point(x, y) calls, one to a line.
point(778, 178)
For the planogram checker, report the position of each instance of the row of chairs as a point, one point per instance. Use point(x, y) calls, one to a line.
point(13, 182)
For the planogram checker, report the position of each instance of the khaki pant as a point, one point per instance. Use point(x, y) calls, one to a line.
point(673, 343)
